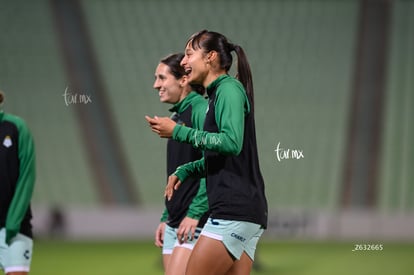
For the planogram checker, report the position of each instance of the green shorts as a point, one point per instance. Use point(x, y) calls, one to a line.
point(18, 256)
point(237, 236)
point(171, 241)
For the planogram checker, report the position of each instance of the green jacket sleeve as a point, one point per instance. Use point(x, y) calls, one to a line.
point(199, 204)
point(164, 216)
point(25, 183)
point(194, 169)
point(231, 105)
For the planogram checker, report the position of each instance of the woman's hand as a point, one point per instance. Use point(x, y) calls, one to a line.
point(162, 126)
point(159, 235)
point(173, 184)
point(186, 230)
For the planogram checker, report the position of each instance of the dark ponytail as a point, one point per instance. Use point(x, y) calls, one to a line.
point(213, 41)
point(244, 73)
point(1, 97)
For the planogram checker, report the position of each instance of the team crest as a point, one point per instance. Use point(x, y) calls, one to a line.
point(7, 142)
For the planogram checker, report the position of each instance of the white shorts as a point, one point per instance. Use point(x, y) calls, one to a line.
point(18, 256)
point(237, 236)
point(171, 241)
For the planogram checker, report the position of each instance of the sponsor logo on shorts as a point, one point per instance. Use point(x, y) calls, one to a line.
point(26, 254)
point(240, 238)
point(213, 222)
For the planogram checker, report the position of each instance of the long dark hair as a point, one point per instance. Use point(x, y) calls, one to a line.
point(214, 41)
point(173, 62)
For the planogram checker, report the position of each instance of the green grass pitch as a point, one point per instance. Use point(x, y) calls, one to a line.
point(273, 258)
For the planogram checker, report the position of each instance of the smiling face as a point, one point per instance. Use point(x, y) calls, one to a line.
point(196, 65)
point(170, 89)
point(200, 66)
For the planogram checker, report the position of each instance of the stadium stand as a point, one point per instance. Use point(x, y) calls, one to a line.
point(302, 55)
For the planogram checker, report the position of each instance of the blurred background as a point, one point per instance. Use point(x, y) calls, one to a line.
point(334, 96)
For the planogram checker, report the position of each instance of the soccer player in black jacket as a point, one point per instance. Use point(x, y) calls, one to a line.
point(184, 215)
point(235, 187)
point(17, 178)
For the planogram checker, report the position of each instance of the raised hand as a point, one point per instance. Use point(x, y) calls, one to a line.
point(162, 126)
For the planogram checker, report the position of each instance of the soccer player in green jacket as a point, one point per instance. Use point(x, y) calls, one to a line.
point(17, 179)
point(186, 214)
point(235, 186)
